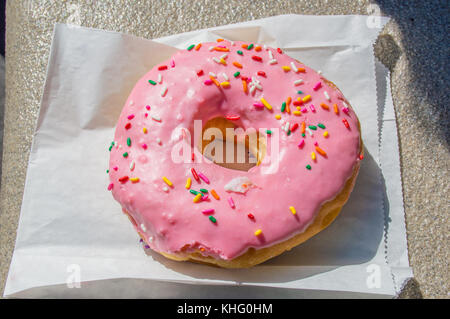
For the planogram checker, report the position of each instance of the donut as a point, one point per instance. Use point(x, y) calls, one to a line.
point(302, 135)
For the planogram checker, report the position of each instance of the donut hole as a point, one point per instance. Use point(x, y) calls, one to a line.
point(227, 144)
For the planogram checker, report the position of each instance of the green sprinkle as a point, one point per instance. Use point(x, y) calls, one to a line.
point(283, 106)
point(303, 134)
point(152, 82)
point(125, 154)
point(193, 192)
point(240, 52)
point(203, 190)
point(129, 141)
point(308, 166)
point(321, 125)
point(211, 218)
point(299, 92)
point(250, 46)
point(237, 74)
point(312, 127)
point(288, 132)
point(110, 148)
point(107, 171)
point(269, 132)
point(191, 47)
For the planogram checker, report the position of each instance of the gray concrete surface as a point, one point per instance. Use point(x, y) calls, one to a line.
point(414, 46)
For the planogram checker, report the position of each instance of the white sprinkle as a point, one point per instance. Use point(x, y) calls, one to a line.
point(156, 118)
point(159, 78)
point(225, 76)
point(265, 47)
point(211, 48)
point(232, 43)
point(326, 95)
point(270, 55)
point(239, 185)
point(252, 89)
point(131, 102)
point(224, 56)
point(213, 75)
point(309, 131)
point(320, 72)
point(158, 140)
point(132, 166)
point(115, 143)
point(150, 239)
point(273, 61)
point(294, 67)
point(345, 104)
point(216, 60)
point(120, 147)
point(286, 127)
point(298, 82)
point(144, 229)
point(164, 91)
point(166, 189)
point(258, 86)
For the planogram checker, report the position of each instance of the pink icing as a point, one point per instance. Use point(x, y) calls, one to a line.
point(166, 216)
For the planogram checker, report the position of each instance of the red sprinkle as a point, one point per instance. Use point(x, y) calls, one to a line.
point(147, 107)
point(262, 73)
point(130, 117)
point(194, 173)
point(123, 179)
point(294, 127)
point(257, 58)
point(279, 51)
point(128, 126)
point(110, 186)
point(251, 216)
point(346, 123)
point(297, 103)
point(244, 78)
point(200, 73)
point(162, 67)
point(361, 157)
point(233, 118)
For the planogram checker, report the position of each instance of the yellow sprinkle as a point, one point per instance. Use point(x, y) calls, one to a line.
point(225, 84)
point(293, 210)
point(299, 108)
point(188, 183)
point(258, 232)
point(167, 181)
point(278, 117)
point(286, 68)
point(223, 62)
point(325, 134)
point(298, 113)
point(145, 130)
point(197, 198)
point(306, 98)
point(134, 179)
point(266, 104)
point(313, 156)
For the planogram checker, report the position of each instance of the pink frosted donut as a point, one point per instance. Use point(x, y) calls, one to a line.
point(240, 218)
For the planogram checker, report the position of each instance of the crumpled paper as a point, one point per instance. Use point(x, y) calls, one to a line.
point(74, 241)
